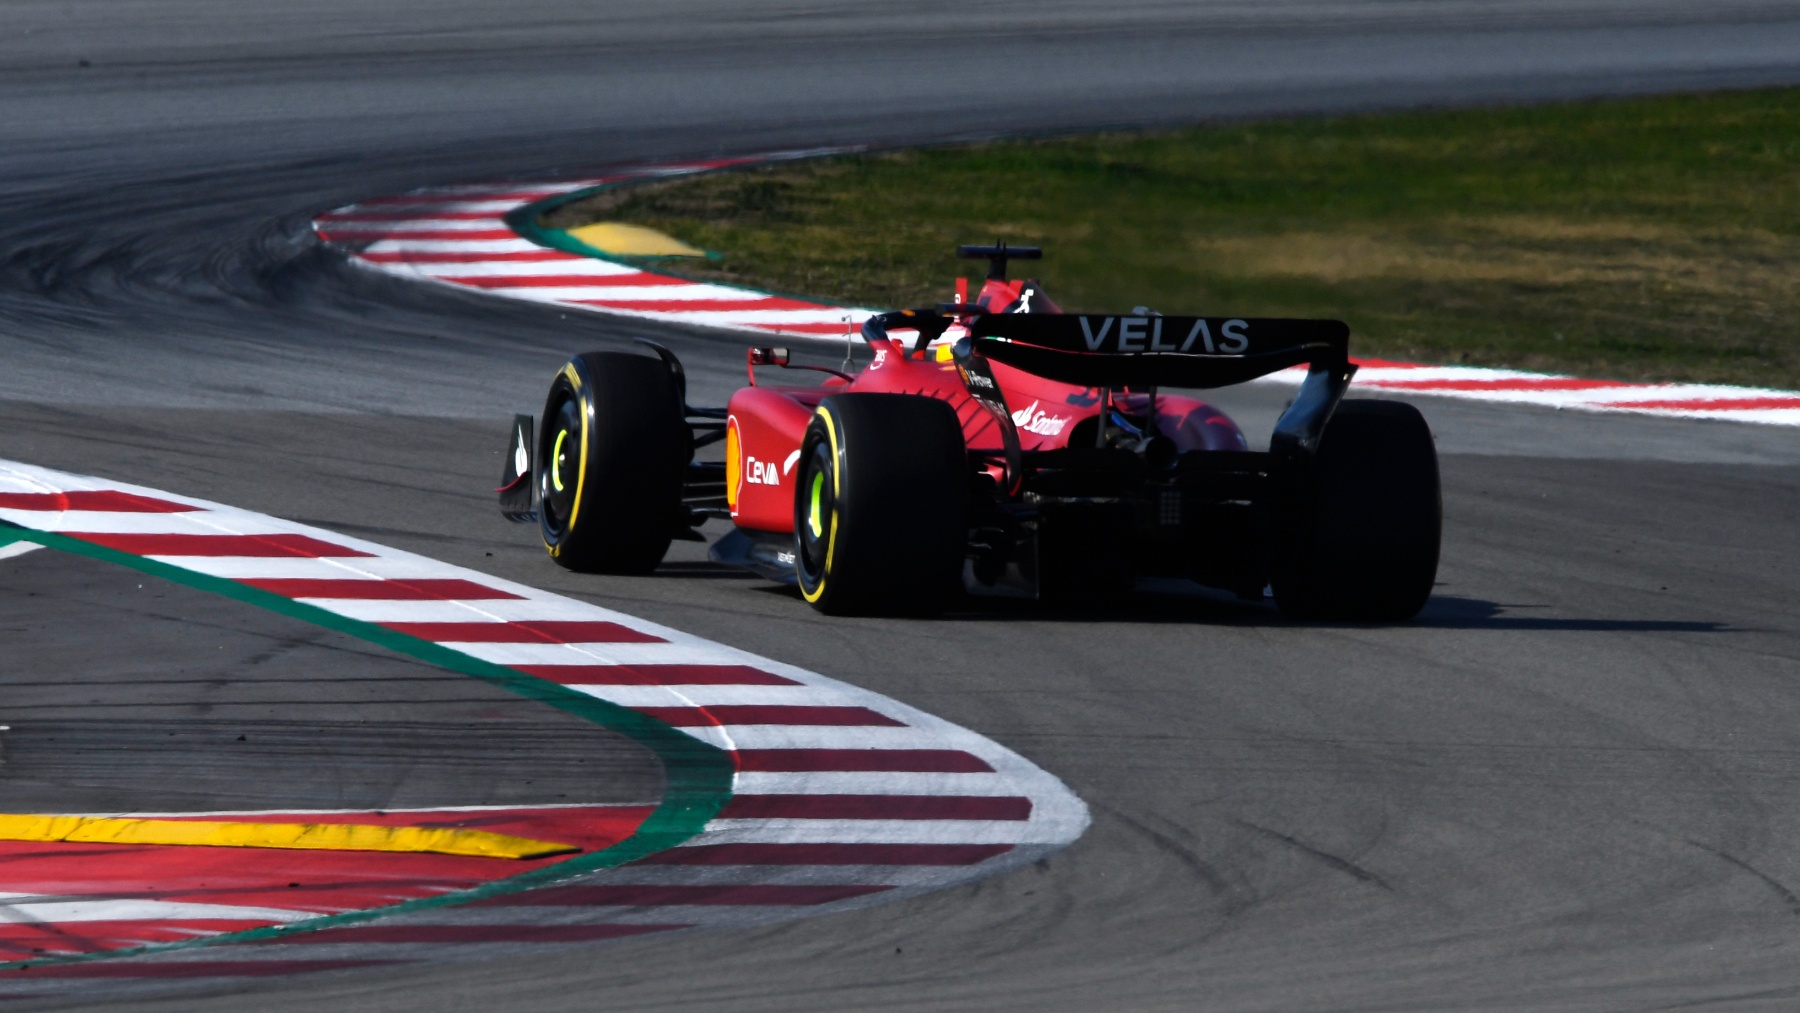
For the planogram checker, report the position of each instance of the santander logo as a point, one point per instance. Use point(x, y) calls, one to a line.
point(1031, 420)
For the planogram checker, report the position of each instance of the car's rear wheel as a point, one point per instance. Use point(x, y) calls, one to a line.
point(881, 505)
point(1358, 537)
point(613, 449)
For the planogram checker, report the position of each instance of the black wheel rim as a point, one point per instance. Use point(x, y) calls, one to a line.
point(561, 453)
point(815, 513)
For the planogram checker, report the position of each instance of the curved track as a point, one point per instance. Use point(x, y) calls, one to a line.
point(1571, 786)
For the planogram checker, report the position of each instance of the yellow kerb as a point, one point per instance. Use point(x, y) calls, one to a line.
point(633, 241)
point(303, 836)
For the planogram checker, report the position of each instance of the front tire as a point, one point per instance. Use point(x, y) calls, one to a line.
point(881, 505)
point(613, 450)
point(1358, 539)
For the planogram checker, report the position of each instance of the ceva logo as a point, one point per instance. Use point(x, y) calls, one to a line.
point(765, 472)
point(1031, 420)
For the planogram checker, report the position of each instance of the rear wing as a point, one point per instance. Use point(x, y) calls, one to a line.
point(1153, 351)
point(1147, 351)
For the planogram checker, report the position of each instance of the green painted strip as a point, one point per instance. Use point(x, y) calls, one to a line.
point(698, 775)
point(524, 221)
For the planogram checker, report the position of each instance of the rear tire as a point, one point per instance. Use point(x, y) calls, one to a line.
point(1358, 539)
point(881, 505)
point(613, 450)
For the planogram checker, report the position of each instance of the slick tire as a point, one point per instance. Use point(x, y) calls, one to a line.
point(881, 506)
point(614, 449)
point(1357, 539)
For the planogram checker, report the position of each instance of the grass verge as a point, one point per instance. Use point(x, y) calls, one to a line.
point(1638, 239)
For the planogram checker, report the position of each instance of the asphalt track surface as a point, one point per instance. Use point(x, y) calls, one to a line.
point(1574, 784)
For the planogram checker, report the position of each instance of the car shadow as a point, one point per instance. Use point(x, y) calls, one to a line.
point(1197, 605)
point(1184, 602)
point(701, 569)
point(1454, 613)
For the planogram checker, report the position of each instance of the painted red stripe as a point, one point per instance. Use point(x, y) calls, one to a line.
point(23, 940)
point(336, 235)
point(876, 807)
point(218, 545)
point(922, 761)
point(656, 675)
point(1388, 364)
point(1530, 383)
point(451, 257)
point(522, 196)
point(562, 280)
point(1711, 404)
point(653, 896)
point(699, 305)
point(828, 854)
point(812, 328)
point(423, 213)
point(108, 500)
point(187, 969)
point(532, 632)
point(473, 933)
point(380, 590)
point(768, 714)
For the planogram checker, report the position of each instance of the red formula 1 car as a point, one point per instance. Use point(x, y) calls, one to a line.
point(1001, 445)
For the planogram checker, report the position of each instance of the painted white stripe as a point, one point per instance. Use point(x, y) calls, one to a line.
point(741, 317)
point(413, 224)
point(1410, 375)
point(1684, 392)
point(425, 206)
point(11, 549)
point(811, 736)
point(482, 610)
point(572, 267)
point(447, 246)
point(520, 193)
point(24, 907)
point(97, 522)
point(712, 696)
point(609, 294)
point(1770, 416)
point(297, 567)
point(598, 654)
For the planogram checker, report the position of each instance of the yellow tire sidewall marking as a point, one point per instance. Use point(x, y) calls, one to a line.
point(556, 460)
point(837, 468)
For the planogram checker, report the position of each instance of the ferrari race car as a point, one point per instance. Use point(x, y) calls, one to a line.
point(1000, 445)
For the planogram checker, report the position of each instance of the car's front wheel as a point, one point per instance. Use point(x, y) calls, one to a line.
point(612, 452)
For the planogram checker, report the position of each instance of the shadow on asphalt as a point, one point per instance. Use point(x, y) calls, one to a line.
point(1452, 613)
point(1188, 604)
point(701, 570)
